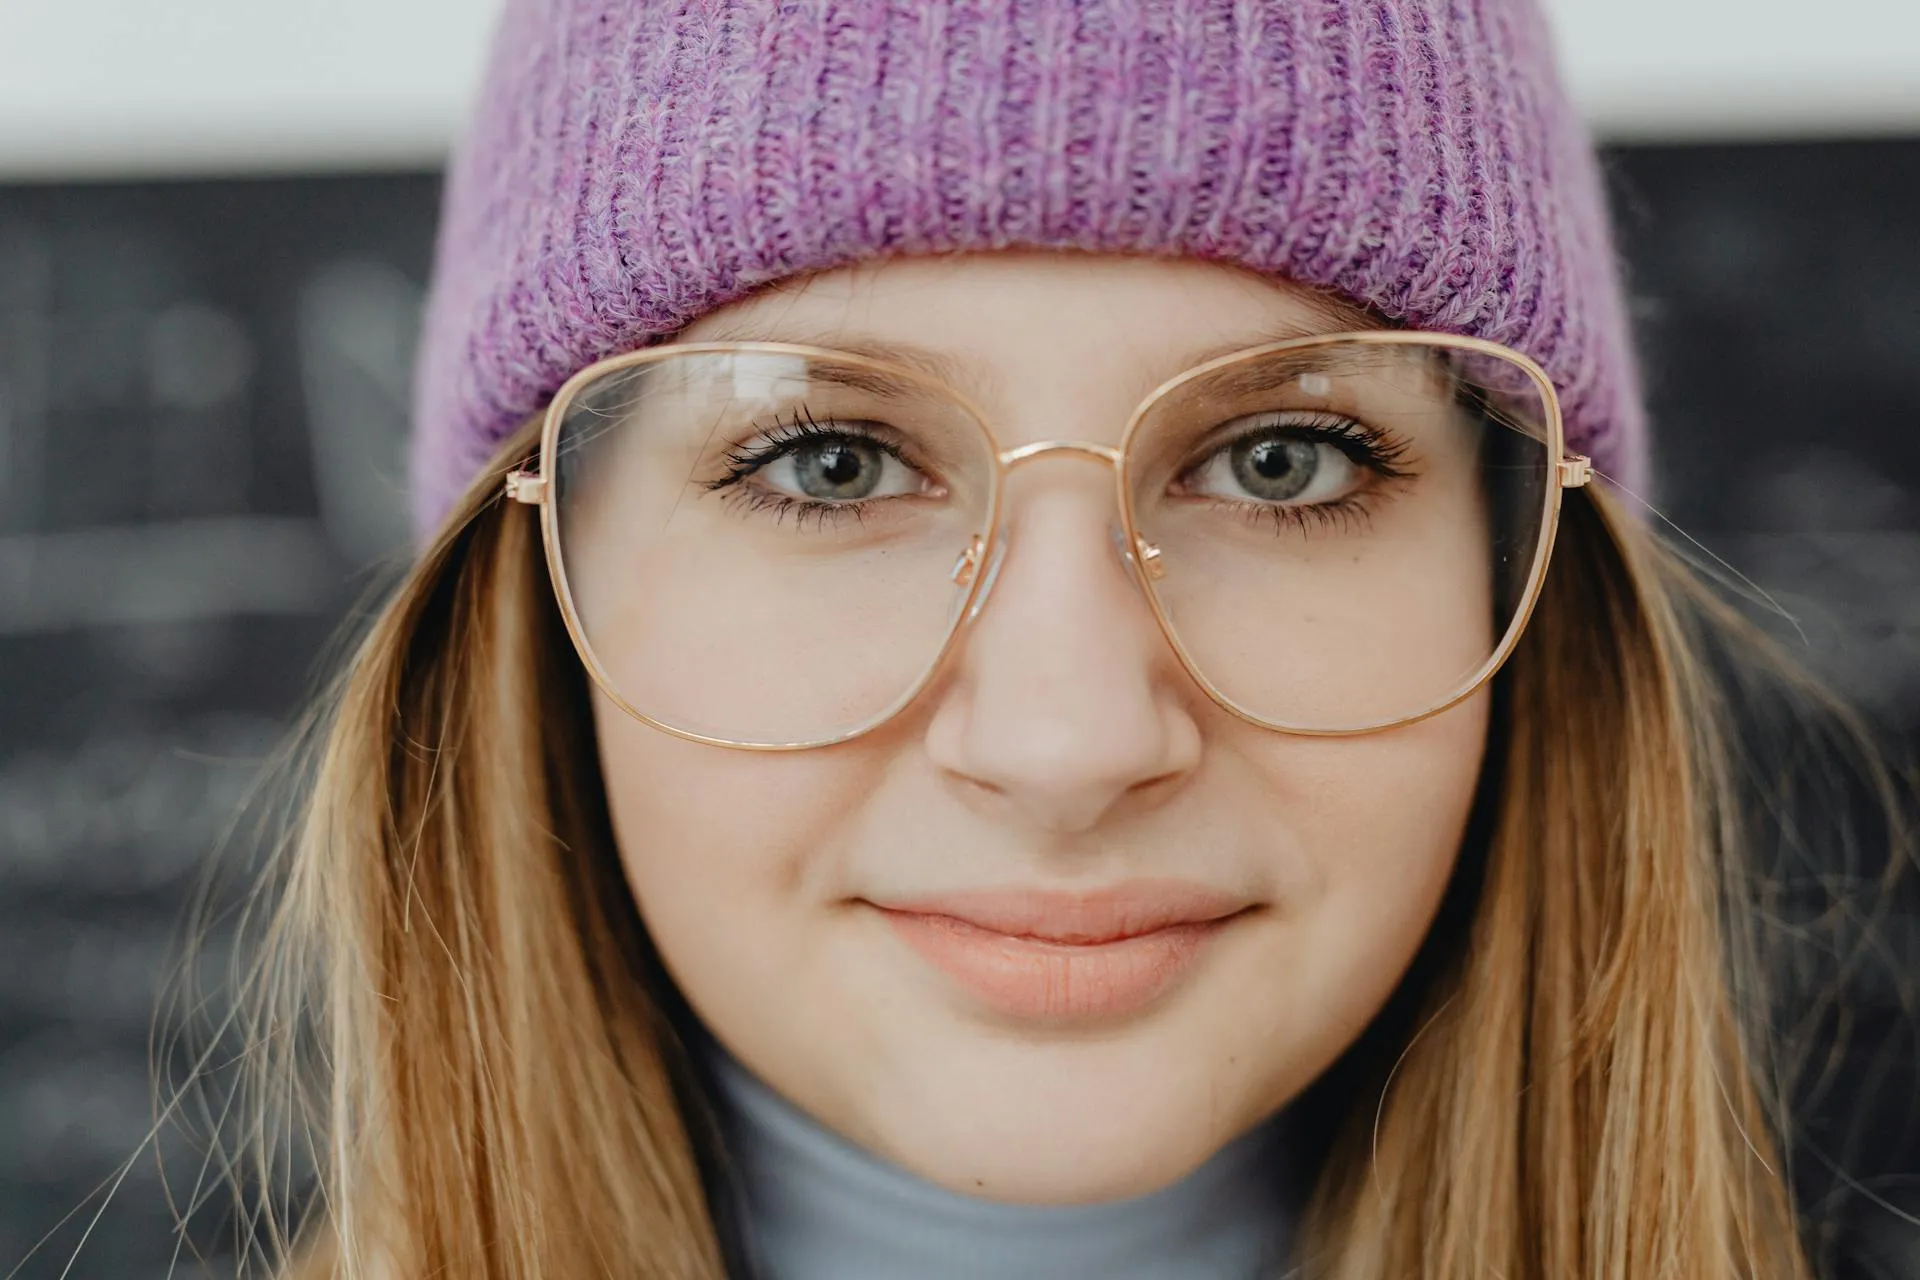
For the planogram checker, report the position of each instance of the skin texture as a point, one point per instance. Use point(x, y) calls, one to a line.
point(1063, 747)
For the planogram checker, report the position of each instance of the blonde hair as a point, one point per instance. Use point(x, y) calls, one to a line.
point(459, 1021)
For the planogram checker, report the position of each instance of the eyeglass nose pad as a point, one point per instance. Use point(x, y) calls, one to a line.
point(969, 563)
point(1139, 553)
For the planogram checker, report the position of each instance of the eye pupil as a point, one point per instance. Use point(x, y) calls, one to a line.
point(1275, 468)
point(839, 469)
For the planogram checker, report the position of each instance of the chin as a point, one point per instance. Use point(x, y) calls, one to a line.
point(1067, 1122)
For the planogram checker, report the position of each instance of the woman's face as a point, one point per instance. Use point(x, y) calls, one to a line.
point(912, 935)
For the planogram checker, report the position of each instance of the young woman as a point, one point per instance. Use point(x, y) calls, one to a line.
point(1027, 661)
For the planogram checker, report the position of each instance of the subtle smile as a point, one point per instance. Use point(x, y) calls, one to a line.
point(1051, 956)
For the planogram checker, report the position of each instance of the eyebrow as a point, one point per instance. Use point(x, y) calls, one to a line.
point(1333, 319)
point(938, 365)
point(1328, 316)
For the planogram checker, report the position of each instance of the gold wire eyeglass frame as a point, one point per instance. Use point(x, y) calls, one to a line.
point(533, 487)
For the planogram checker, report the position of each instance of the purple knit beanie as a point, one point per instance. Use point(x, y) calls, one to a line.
point(636, 163)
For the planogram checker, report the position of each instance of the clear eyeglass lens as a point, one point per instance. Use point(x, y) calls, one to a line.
point(760, 547)
point(771, 548)
point(1347, 532)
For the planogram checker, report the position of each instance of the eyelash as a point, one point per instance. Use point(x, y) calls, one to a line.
point(1373, 449)
point(1378, 451)
point(779, 439)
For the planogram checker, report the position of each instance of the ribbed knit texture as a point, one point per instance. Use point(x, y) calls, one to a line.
point(636, 163)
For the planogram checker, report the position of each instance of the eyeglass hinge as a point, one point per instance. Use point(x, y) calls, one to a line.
point(526, 486)
point(1575, 471)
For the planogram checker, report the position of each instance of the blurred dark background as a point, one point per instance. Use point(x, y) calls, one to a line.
point(202, 410)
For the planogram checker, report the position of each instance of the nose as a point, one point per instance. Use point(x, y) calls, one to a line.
point(1065, 702)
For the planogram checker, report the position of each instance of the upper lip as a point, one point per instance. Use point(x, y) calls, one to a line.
point(1084, 918)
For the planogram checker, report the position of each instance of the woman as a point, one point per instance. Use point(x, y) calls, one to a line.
point(1018, 669)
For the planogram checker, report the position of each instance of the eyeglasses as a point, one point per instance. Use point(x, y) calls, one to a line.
point(774, 546)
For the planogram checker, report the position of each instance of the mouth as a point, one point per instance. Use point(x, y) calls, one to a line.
point(1067, 957)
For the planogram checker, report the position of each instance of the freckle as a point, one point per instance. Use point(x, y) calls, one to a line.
point(979, 1182)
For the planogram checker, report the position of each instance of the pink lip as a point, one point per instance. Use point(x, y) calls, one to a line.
point(1066, 956)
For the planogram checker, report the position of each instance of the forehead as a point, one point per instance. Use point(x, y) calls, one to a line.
point(1001, 326)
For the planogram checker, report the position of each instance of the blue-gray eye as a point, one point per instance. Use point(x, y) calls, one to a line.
point(1277, 466)
point(838, 468)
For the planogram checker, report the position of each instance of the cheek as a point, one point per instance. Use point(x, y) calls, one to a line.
point(1376, 825)
point(719, 845)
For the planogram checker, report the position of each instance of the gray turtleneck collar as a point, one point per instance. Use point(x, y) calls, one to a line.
point(812, 1206)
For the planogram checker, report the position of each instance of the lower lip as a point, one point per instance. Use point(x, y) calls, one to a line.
point(1052, 981)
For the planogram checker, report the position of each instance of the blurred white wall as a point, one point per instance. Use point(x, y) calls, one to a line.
point(1702, 69)
point(231, 86)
